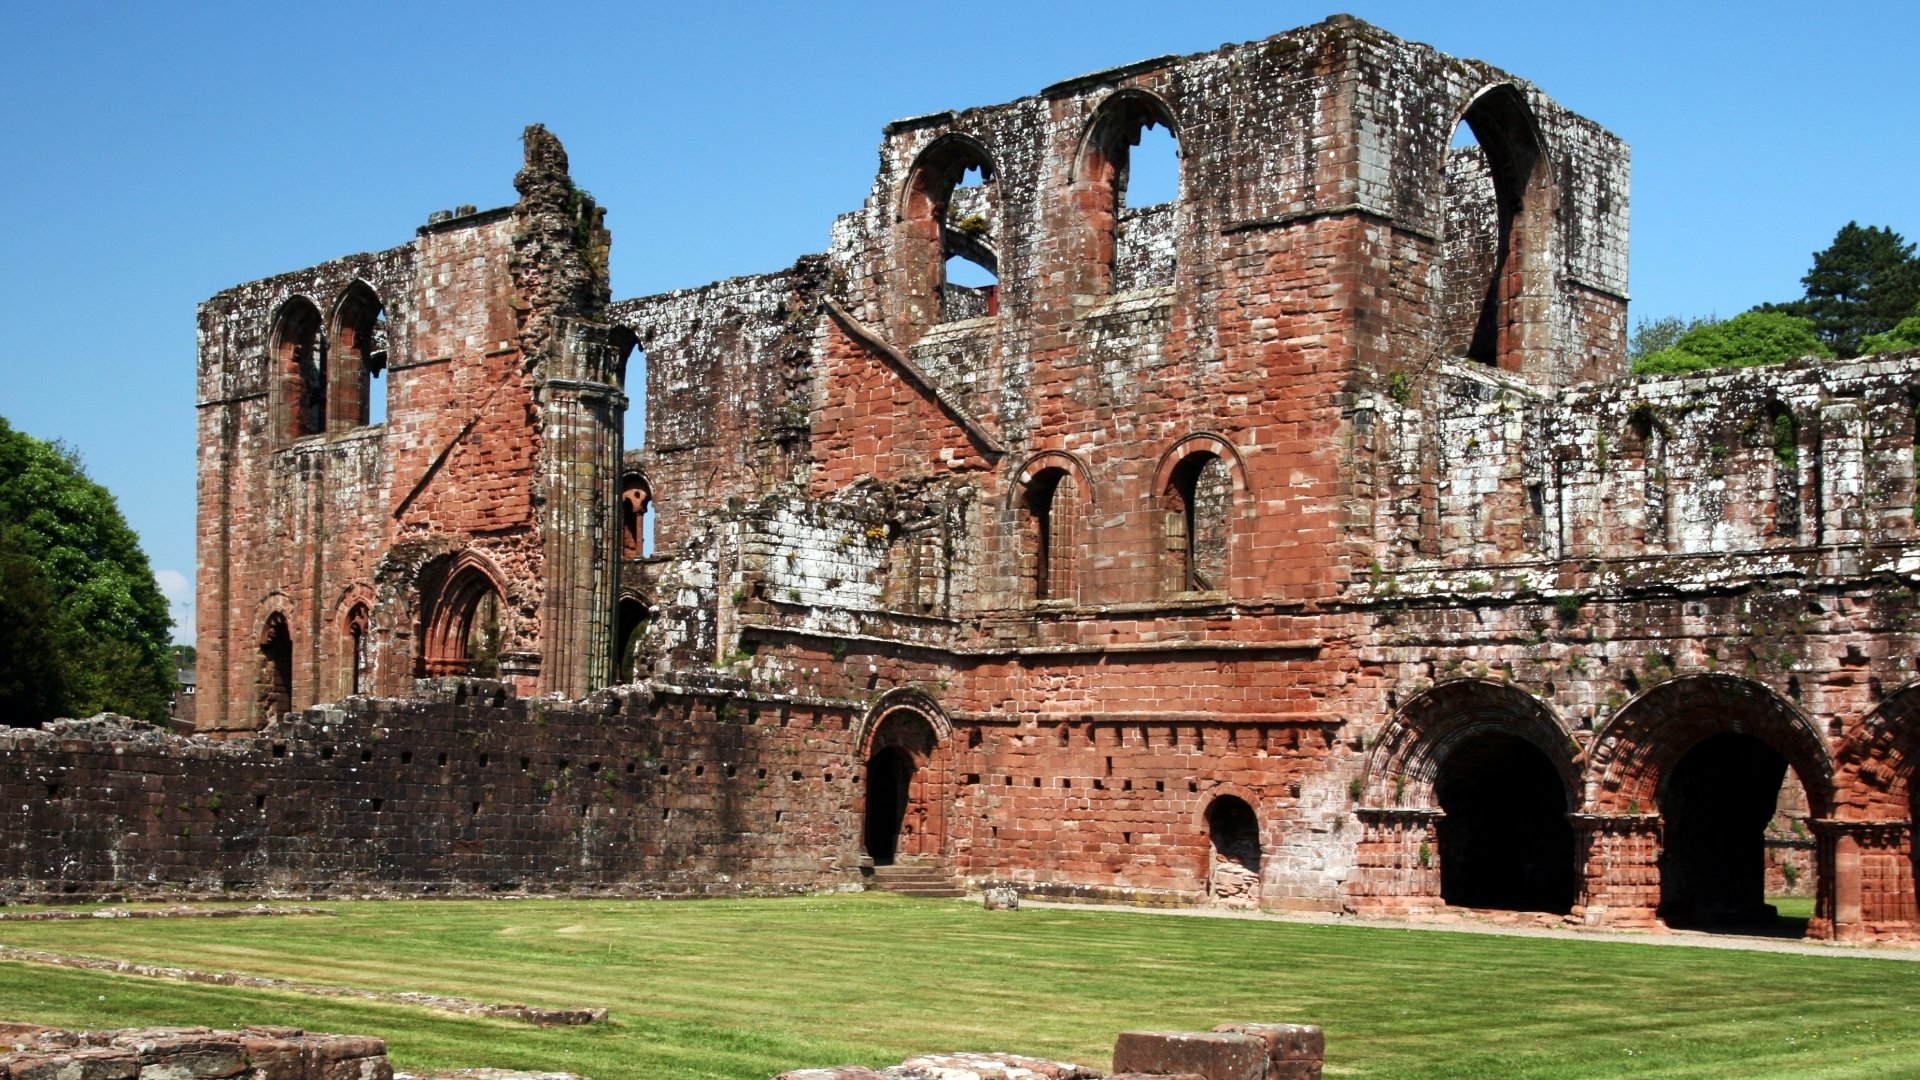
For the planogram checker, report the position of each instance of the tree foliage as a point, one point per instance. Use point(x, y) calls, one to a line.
point(1656, 335)
point(77, 596)
point(1863, 284)
point(1749, 339)
point(1904, 335)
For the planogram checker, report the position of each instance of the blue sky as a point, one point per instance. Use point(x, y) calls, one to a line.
point(157, 153)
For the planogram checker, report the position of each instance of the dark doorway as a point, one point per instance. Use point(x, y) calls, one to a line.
point(1505, 840)
point(1233, 871)
point(1715, 806)
point(889, 784)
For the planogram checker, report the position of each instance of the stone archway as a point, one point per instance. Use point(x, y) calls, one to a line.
point(1466, 802)
point(1682, 784)
point(902, 808)
point(1714, 809)
point(1504, 839)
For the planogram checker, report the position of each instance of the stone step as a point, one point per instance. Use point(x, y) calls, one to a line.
point(924, 878)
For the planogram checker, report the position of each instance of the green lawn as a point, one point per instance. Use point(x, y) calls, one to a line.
point(746, 988)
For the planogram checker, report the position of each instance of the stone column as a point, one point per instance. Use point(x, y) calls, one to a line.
point(1620, 877)
point(581, 411)
point(1866, 880)
point(1397, 862)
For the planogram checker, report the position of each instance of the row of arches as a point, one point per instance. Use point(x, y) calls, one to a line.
point(325, 371)
point(459, 624)
point(1494, 268)
point(950, 211)
point(1199, 483)
point(1476, 796)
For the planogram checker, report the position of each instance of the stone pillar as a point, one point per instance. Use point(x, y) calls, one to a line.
point(1866, 880)
point(1620, 877)
point(1396, 863)
point(581, 419)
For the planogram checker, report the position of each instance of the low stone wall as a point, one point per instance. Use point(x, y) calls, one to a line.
point(463, 790)
point(255, 1053)
point(1228, 1052)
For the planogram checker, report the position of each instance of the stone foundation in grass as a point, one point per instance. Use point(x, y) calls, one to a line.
point(1228, 1052)
point(32, 1052)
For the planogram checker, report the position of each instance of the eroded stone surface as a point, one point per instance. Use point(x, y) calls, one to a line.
point(1220, 552)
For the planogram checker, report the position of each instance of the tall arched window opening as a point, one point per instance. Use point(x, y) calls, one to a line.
point(1496, 221)
point(1200, 495)
point(359, 651)
point(1050, 531)
point(275, 694)
point(970, 267)
point(299, 357)
point(949, 263)
point(357, 356)
point(1126, 183)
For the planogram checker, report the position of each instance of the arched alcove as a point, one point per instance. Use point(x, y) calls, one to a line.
point(1234, 856)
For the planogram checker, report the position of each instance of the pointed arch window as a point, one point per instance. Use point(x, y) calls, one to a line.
point(298, 354)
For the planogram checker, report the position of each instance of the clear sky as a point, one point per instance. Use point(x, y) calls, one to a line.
point(158, 153)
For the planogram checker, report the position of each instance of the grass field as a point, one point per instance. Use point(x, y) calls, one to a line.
point(747, 988)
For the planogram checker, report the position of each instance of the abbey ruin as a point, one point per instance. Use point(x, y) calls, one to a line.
point(1300, 541)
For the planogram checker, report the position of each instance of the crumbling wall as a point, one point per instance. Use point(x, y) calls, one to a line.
point(461, 789)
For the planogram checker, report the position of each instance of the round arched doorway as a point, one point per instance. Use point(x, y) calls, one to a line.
point(1716, 805)
point(1504, 837)
point(901, 815)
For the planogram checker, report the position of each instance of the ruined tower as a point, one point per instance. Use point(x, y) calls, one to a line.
point(409, 463)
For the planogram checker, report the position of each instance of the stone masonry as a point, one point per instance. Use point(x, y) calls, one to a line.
point(1300, 542)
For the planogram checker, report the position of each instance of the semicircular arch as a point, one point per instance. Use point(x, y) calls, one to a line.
point(897, 700)
point(1634, 753)
point(1411, 750)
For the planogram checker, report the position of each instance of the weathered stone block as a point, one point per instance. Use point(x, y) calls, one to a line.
point(1212, 1054)
point(1294, 1051)
point(78, 1064)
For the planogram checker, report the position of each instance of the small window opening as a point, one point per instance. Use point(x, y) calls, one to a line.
point(1201, 492)
point(359, 651)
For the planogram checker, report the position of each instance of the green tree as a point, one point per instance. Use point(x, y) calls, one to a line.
point(1904, 335)
point(1863, 284)
point(1748, 339)
point(1654, 335)
point(102, 610)
point(33, 682)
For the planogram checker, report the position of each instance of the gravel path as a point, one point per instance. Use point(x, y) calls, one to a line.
point(1467, 923)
